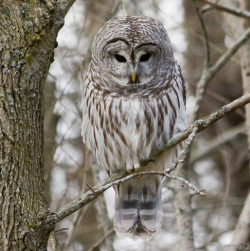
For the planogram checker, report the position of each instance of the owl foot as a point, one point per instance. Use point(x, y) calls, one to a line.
point(145, 162)
point(130, 168)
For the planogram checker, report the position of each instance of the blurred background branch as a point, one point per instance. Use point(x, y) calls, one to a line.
point(219, 156)
point(233, 11)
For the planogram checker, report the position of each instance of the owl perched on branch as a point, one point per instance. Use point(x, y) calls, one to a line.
point(133, 103)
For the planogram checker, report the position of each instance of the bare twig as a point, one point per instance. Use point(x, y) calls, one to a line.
point(182, 201)
point(207, 121)
point(89, 187)
point(208, 74)
point(52, 241)
point(122, 176)
point(62, 229)
point(236, 12)
point(183, 152)
point(103, 186)
point(221, 98)
point(184, 181)
point(215, 143)
point(206, 43)
point(182, 197)
point(197, 35)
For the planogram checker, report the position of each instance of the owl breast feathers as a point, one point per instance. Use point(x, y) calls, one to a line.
point(133, 103)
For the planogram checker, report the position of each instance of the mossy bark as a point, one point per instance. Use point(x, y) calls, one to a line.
point(28, 31)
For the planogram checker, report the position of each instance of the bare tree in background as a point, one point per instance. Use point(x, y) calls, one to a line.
point(218, 161)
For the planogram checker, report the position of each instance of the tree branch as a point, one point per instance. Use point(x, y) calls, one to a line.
point(122, 176)
point(236, 12)
point(113, 180)
point(203, 123)
point(215, 143)
point(182, 198)
point(184, 152)
point(208, 74)
point(63, 6)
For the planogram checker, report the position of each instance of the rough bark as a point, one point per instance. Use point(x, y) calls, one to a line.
point(28, 31)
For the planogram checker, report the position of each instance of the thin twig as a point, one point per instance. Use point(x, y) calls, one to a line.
point(122, 176)
point(208, 120)
point(52, 241)
point(184, 151)
point(208, 74)
point(215, 143)
point(62, 229)
point(219, 97)
point(182, 197)
point(206, 41)
point(236, 12)
point(193, 187)
point(89, 187)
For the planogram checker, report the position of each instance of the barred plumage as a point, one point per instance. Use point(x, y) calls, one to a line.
point(127, 118)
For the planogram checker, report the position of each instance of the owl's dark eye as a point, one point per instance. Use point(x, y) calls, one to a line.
point(120, 58)
point(145, 57)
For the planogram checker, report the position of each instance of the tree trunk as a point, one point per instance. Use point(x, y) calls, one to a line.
point(27, 40)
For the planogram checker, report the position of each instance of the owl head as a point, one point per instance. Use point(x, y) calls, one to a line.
point(132, 53)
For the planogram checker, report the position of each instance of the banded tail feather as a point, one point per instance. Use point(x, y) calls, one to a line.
point(138, 207)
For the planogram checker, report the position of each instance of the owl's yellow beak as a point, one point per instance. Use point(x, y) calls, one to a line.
point(133, 77)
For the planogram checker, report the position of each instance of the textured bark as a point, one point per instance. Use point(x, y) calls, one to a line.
point(28, 31)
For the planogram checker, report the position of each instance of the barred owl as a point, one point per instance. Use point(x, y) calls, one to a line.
point(133, 103)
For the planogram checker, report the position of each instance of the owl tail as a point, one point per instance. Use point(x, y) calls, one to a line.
point(139, 207)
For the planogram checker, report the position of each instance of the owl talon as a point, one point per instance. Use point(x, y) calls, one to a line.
point(155, 161)
point(137, 166)
point(132, 168)
point(145, 162)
